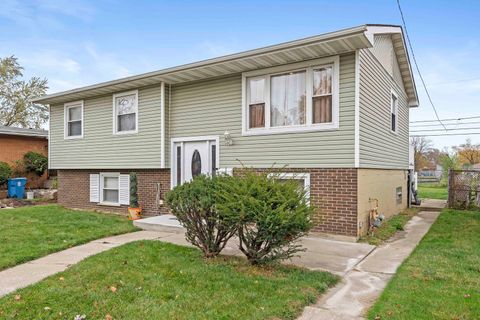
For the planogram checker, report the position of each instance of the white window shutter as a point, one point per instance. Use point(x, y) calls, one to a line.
point(94, 188)
point(124, 192)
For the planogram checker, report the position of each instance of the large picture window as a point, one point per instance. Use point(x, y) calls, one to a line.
point(287, 99)
point(125, 112)
point(74, 120)
point(298, 97)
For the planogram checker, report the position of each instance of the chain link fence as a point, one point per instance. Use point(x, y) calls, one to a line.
point(464, 189)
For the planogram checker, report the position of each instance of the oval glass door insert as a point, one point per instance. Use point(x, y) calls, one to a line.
point(196, 164)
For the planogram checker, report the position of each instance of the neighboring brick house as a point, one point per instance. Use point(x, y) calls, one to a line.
point(332, 110)
point(15, 142)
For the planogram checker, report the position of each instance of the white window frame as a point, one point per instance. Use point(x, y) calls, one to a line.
point(115, 118)
point(307, 66)
point(297, 176)
point(102, 176)
point(66, 107)
point(393, 110)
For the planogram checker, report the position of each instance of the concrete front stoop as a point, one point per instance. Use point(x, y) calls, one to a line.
point(163, 223)
point(362, 286)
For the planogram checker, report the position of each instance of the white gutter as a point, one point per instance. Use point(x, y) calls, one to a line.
point(162, 125)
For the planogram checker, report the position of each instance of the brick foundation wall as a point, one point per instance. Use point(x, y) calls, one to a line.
point(334, 193)
point(74, 190)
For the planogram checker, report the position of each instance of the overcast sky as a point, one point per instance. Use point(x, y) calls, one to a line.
point(75, 43)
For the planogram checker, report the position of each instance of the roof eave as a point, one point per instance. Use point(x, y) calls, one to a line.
point(162, 75)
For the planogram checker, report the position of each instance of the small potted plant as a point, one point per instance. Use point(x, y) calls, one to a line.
point(134, 210)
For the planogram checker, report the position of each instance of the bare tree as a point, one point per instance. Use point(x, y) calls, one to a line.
point(421, 147)
point(16, 107)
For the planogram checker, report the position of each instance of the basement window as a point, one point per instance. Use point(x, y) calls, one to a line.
point(109, 188)
point(303, 180)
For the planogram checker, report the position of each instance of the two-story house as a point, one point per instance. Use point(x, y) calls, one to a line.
point(333, 109)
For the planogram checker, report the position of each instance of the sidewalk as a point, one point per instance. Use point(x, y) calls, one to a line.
point(364, 283)
point(30, 272)
point(322, 254)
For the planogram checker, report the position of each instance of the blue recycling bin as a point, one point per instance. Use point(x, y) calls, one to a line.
point(16, 188)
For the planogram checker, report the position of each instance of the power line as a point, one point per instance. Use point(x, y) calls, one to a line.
point(455, 124)
point(454, 81)
point(452, 129)
point(451, 119)
point(444, 134)
point(416, 64)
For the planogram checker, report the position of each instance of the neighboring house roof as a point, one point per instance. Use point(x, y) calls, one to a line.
point(12, 131)
point(326, 44)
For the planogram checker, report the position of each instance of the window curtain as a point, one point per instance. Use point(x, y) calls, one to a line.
point(257, 115)
point(288, 99)
point(322, 95)
point(257, 103)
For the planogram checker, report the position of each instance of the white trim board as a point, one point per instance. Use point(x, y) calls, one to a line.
point(357, 109)
point(162, 125)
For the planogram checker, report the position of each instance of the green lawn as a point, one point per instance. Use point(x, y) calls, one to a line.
point(31, 232)
point(155, 280)
point(432, 191)
point(390, 226)
point(441, 279)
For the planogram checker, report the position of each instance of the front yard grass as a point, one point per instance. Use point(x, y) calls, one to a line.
point(390, 226)
point(441, 279)
point(28, 233)
point(155, 280)
point(432, 191)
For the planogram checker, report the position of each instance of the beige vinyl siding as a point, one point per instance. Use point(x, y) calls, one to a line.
point(210, 107)
point(385, 53)
point(379, 147)
point(100, 148)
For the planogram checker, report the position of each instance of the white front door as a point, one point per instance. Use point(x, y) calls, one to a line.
point(192, 157)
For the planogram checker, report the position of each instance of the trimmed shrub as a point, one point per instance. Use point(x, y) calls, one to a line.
point(194, 205)
point(133, 190)
point(35, 162)
point(272, 214)
point(5, 172)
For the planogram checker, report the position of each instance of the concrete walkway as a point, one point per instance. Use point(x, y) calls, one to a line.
point(364, 283)
point(334, 256)
point(365, 269)
point(31, 272)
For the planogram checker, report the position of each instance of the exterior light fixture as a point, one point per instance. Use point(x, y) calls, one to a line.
point(228, 138)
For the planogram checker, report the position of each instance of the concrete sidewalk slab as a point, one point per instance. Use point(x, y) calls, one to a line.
point(31, 272)
point(388, 257)
point(361, 286)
